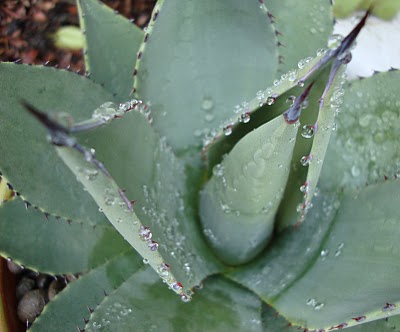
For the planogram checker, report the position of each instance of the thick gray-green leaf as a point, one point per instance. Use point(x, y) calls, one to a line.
point(304, 27)
point(288, 254)
point(142, 303)
point(238, 204)
point(365, 148)
point(27, 159)
point(52, 246)
point(146, 167)
point(222, 54)
point(111, 44)
point(69, 308)
point(273, 322)
point(336, 285)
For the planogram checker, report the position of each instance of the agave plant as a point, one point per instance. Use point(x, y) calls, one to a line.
point(188, 157)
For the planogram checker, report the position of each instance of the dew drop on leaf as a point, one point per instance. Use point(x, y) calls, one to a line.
point(308, 131)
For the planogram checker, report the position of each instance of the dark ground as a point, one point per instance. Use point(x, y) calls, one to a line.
point(26, 27)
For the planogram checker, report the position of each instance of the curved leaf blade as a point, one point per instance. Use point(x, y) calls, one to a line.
point(143, 303)
point(204, 34)
point(325, 293)
point(69, 308)
point(74, 247)
point(365, 148)
point(111, 44)
point(24, 147)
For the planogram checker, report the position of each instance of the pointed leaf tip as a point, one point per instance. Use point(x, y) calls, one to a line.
point(292, 115)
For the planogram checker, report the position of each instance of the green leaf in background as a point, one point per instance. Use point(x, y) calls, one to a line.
point(297, 22)
point(223, 53)
point(69, 309)
point(26, 236)
point(384, 9)
point(69, 37)
point(26, 160)
point(111, 44)
point(365, 148)
point(144, 303)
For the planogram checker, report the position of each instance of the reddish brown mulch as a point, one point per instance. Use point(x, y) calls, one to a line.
point(26, 27)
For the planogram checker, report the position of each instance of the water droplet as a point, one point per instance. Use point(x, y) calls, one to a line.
point(300, 83)
point(225, 208)
point(145, 233)
point(228, 130)
point(90, 174)
point(324, 253)
point(291, 100)
point(308, 131)
point(109, 198)
point(145, 261)
point(334, 41)
point(276, 82)
point(119, 220)
point(301, 64)
point(321, 51)
point(305, 160)
point(311, 302)
point(218, 170)
point(185, 298)
point(207, 104)
point(319, 306)
point(292, 76)
point(260, 95)
point(245, 117)
point(355, 171)
point(153, 245)
point(345, 57)
point(304, 188)
point(270, 100)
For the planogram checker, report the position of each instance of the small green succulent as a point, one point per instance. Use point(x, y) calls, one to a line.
point(205, 155)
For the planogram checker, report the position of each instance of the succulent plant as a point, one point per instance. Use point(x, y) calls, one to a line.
point(205, 155)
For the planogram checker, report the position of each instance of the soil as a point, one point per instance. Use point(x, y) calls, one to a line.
point(26, 27)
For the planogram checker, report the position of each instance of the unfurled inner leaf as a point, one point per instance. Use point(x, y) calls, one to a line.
point(238, 204)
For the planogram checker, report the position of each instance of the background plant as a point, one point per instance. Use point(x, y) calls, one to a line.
point(204, 67)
